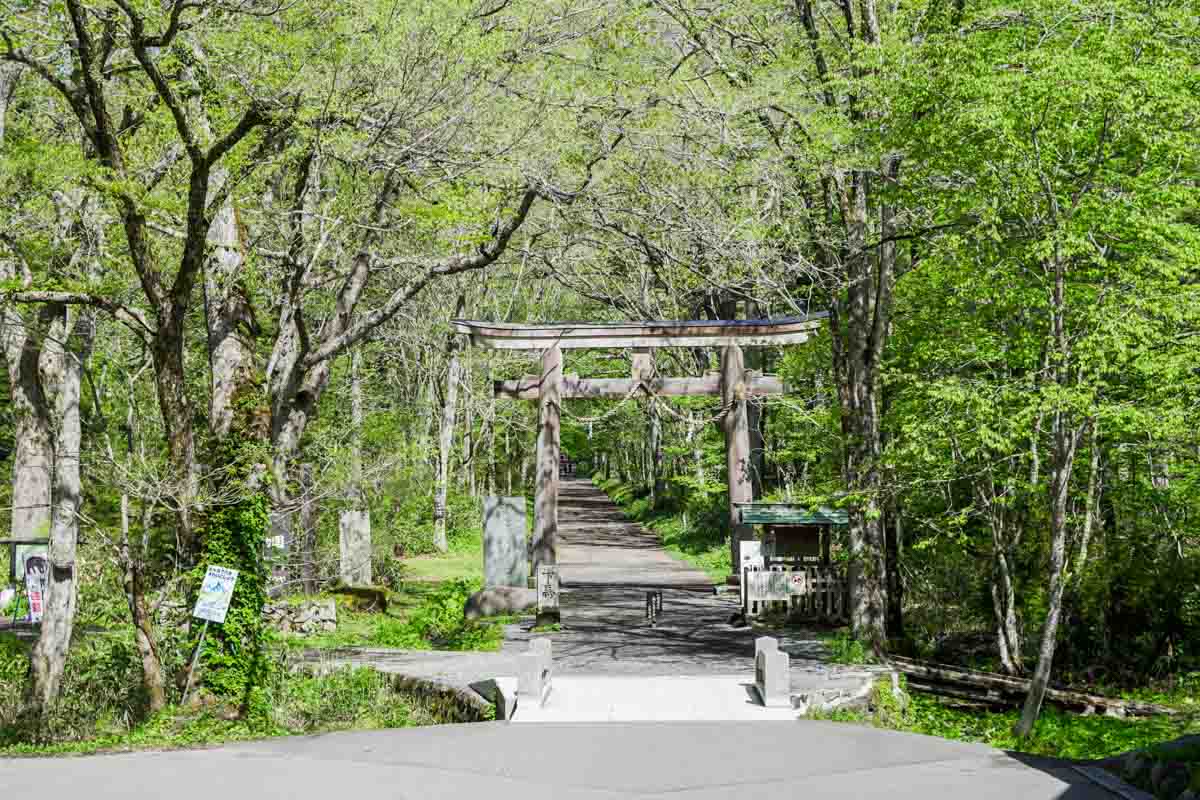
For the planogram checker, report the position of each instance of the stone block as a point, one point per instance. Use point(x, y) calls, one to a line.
point(765, 644)
point(773, 678)
point(505, 559)
point(499, 600)
point(544, 648)
point(533, 678)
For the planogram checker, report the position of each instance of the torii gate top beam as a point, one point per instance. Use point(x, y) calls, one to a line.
point(676, 333)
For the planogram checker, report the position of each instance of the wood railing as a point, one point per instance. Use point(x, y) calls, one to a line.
point(801, 591)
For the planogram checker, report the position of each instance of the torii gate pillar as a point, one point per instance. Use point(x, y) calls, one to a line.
point(545, 503)
point(737, 449)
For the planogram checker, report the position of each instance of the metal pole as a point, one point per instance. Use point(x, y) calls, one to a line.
point(192, 667)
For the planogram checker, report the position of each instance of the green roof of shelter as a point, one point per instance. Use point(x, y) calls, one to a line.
point(787, 514)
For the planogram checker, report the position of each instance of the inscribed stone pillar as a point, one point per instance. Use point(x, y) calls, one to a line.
point(545, 508)
point(737, 446)
point(354, 534)
point(504, 555)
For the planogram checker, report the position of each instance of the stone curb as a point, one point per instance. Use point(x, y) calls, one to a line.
point(1109, 781)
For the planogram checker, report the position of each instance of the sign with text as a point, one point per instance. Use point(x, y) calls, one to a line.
point(37, 570)
point(751, 553)
point(547, 587)
point(216, 592)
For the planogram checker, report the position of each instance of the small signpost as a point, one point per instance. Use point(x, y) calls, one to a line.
point(547, 595)
point(216, 593)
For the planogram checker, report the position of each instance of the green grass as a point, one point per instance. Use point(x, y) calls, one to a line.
point(1058, 733)
point(463, 560)
point(699, 545)
point(358, 699)
point(423, 616)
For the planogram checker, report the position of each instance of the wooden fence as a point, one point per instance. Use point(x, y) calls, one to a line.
point(802, 591)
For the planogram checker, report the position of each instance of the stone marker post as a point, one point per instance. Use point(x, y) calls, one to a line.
point(505, 557)
point(772, 673)
point(547, 595)
point(534, 672)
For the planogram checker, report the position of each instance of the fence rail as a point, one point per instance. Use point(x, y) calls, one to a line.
point(802, 591)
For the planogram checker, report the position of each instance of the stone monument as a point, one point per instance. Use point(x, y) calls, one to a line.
point(505, 559)
point(772, 673)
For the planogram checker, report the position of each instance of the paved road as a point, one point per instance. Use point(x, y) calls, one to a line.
point(495, 761)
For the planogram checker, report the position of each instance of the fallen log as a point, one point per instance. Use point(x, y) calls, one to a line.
point(992, 687)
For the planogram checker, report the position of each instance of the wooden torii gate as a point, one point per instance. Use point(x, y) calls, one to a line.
point(734, 383)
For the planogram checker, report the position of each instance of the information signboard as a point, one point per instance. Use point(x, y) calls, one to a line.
point(215, 594)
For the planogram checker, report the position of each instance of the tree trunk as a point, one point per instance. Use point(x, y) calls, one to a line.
point(143, 625)
point(61, 372)
point(230, 320)
point(10, 73)
point(1004, 601)
point(33, 455)
point(134, 585)
point(445, 438)
point(657, 484)
point(308, 530)
point(1066, 442)
point(355, 521)
point(894, 545)
point(1064, 457)
point(170, 380)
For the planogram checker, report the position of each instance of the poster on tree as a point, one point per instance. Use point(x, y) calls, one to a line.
point(36, 569)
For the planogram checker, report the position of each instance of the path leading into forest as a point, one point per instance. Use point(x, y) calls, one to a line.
point(698, 734)
point(610, 663)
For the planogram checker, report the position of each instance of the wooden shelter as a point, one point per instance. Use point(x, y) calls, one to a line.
point(549, 388)
point(793, 532)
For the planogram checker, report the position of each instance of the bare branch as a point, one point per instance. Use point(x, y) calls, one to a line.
point(486, 255)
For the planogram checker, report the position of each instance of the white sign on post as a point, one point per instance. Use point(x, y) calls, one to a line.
point(215, 594)
point(751, 553)
point(547, 587)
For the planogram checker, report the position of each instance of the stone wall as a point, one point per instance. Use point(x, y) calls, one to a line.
point(313, 616)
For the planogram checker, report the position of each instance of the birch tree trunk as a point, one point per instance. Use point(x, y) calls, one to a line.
point(1065, 439)
point(61, 372)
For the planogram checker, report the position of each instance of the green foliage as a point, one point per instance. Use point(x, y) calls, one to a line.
point(438, 623)
point(1060, 734)
point(235, 655)
point(295, 703)
point(102, 691)
point(843, 648)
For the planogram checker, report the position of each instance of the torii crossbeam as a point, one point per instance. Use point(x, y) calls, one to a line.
point(733, 383)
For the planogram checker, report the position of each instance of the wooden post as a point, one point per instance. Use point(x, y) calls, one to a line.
point(545, 526)
point(737, 447)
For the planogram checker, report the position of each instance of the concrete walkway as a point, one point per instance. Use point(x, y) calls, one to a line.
point(693, 663)
point(686, 761)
